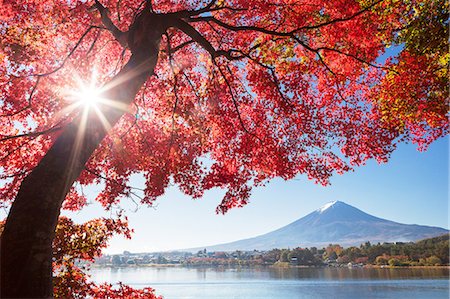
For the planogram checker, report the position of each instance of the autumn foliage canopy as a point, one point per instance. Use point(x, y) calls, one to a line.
point(242, 91)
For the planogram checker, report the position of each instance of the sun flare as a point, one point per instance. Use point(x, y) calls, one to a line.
point(86, 96)
point(89, 96)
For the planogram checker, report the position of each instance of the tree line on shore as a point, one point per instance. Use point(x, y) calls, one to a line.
point(428, 252)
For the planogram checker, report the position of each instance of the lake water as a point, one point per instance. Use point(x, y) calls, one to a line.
point(282, 283)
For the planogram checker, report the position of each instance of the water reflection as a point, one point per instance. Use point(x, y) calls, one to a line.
point(356, 273)
point(282, 283)
point(149, 275)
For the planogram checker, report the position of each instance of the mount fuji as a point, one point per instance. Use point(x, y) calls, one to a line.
point(338, 223)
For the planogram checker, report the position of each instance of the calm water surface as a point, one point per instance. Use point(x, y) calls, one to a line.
point(280, 283)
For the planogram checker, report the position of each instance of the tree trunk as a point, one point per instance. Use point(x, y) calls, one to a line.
point(26, 242)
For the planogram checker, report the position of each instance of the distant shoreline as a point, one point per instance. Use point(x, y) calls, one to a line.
point(271, 266)
point(139, 266)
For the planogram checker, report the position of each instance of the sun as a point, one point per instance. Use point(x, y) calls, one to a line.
point(90, 99)
point(89, 96)
point(86, 93)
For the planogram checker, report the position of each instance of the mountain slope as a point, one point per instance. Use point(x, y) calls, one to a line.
point(335, 222)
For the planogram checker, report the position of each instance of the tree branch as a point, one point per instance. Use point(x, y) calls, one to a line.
point(195, 35)
point(77, 44)
point(277, 33)
point(9, 153)
point(182, 45)
point(203, 42)
point(119, 35)
point(240, 28)
point(191, 13)
point(30, 97)
point(30, 134)
point(236, 107)
point(128, 190)
point(175, 85)
point(112, 180)
point(17, 174)
point(338, 20)
point(354, 57)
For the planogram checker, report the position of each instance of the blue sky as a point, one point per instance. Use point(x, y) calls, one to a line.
point(411, 188)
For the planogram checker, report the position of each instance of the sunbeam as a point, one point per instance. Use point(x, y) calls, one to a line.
point(88, 99)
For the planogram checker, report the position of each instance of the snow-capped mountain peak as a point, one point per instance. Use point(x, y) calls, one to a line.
point(337, 223)
point(326, 206)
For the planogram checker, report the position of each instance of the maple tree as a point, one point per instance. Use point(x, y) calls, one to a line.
point(262, 89)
